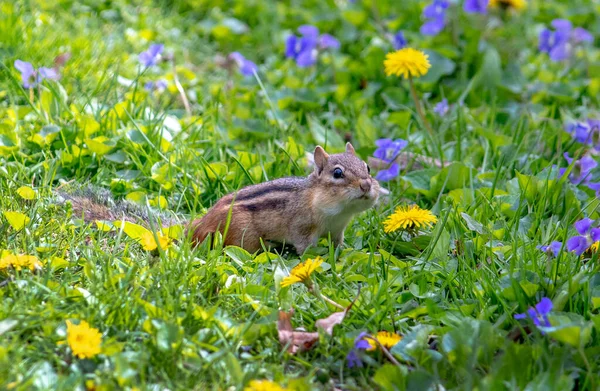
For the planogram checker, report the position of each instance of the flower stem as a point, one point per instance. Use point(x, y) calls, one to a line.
point(318, 294)
point(413, 92)
point(186, 103)
point(385, 351)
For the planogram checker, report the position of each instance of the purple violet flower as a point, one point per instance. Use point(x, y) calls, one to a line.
point(388, 150)
point(327, 41)
point(559, 43)
point(539, 314)
point(587, 235)
point(28, 74)
point(441, 108)
point(553, 248)
point(360, 343)
point(476, 6)
point(435, 17)
point(151, 56)
point(581, 169)
point(399, 41)
point(390, 173)
point(304, 49)
point(159, 85)
point(246, 67)
point(32, 77)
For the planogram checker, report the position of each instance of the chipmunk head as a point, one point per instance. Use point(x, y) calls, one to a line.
point(344, 179)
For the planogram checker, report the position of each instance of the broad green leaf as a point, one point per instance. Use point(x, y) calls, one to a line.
point(17, 220)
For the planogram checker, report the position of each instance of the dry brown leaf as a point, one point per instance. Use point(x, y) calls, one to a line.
point(304, 340)
point(294, 340)
point(329, 322)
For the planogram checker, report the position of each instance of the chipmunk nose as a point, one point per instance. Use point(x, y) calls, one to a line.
point(365, 185)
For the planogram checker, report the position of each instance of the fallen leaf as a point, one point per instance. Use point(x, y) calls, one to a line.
point(328, 323)
point(294, 340)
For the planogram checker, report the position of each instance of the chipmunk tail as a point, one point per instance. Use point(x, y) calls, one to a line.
point(93, 203)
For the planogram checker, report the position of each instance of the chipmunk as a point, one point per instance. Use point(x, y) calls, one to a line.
point(293, 210)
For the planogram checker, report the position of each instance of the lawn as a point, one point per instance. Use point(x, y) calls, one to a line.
point(482, 121)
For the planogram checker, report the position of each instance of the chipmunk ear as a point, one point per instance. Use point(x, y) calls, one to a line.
point(350, 149)
point(320, 159)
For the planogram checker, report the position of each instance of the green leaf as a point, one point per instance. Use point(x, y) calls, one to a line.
point(366, 132)
point(391, 377)
point(440, 66)
point(17, 220)
point(327, 138)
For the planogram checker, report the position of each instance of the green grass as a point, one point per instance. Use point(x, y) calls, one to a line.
point(200, 318)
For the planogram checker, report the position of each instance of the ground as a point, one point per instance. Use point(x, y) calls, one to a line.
point(171, 105)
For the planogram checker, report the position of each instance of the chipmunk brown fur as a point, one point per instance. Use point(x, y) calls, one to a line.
point(297, 210)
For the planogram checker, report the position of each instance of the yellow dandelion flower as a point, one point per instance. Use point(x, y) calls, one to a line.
point(23, 261)
point(594, 247)
point(6, 259)
point(301, 272)
point(149, 243)
point(83, 340)
point(406, 62)
point(263, 385)
point(515, 4)
point(385, 338)
point(409, 217)
point(19, 262)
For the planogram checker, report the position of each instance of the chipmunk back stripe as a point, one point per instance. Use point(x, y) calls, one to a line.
point(265, 190)
point(269, 204)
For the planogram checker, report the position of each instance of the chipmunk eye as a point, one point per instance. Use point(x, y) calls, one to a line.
point(338, 173)
point(368, 169)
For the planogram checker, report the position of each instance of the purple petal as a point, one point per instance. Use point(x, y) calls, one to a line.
point(433, 26)
point(441, 108)
point(583, 226)
point(544, 306)
point(353, 360)
point(582, 35)
point(562, 25)
point(290, 46)
point(248, 68)
point(49, 73)
point(306, 58)
point(556, 247)
point(595, 234)
point(544, 45)
point(475, 6)
point(579, 130)
point(560, 52)
point(327, 41)
point(436, 9)
point(577, 244)
point(308, 31)
point(399, 41)
point(161, 85)
point(24, 67)
point(521, 316)
point(156, 49)
point(384, 142)
point(561, 172)
point(587, 164)
point(389, 174)
point(237, 57)
point(533, 316)
point(148, 86)
point(568, 158)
